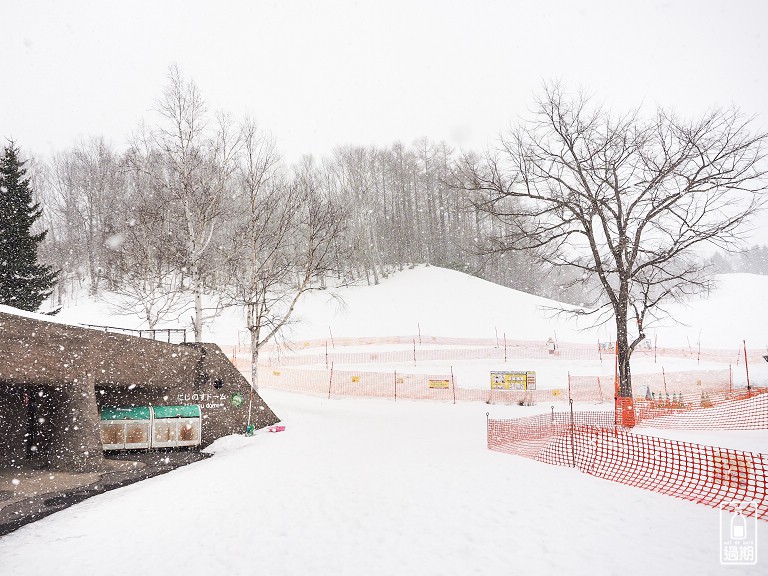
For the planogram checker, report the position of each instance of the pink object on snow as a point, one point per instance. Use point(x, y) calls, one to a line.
point(276, 428)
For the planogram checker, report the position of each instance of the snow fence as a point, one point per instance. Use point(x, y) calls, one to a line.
point(592, 443)
point(337, 368)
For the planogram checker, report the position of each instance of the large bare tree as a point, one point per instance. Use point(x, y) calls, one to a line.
point(196, 159)
point(625, 199)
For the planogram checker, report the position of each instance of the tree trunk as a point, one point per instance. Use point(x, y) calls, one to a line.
point(254, 328)
point(197, 291)
point(255, 359)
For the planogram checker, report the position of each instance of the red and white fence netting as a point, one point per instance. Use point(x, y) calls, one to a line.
point(592, 443)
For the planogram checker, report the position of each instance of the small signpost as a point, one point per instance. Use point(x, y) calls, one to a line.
point(513, 380)
point(442, 384)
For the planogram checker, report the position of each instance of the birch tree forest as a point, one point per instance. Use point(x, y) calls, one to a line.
point(198, 211)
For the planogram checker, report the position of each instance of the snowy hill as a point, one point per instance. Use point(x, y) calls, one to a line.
point(441, 302)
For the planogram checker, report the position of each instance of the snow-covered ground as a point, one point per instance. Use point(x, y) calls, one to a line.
point(372, 486)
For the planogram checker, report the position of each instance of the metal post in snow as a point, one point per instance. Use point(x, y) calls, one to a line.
point(395, 385)
point(330, 382)
point(414, 352)
point(505, 346)
point(730, 378)
point(418, 325)
point(599, 351)
point(664, 379)
point(569, 386)
point(326, 354)
point(573, 448)
point(746, 367)
point(453, 386)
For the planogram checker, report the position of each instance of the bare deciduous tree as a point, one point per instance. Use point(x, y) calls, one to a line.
point(195, 167)
point(150, 254)
point(284, 243)
point(625, 199)
point(82, 184)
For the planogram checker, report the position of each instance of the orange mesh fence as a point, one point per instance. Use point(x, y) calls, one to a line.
point(406, 385)
point(315, 350)
point(704, 474)
point(421, 354)
point(317, 355)
point(362, 384)
point(683, 381)
point(314, 375)
point(340, 382)
point(738, 410)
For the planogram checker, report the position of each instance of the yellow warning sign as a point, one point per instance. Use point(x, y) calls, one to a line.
point(440, 384)
point(355, 378)
point(513, 380)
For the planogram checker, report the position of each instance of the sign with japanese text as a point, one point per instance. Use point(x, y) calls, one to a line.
point(513, 380)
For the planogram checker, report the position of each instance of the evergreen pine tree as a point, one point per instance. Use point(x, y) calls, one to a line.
point(24, 283)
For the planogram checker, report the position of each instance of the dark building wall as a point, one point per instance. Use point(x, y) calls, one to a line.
point(13, 425)
point(84, 370)
point(46, 426)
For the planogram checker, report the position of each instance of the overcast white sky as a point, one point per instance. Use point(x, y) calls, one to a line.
point(318, 74)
